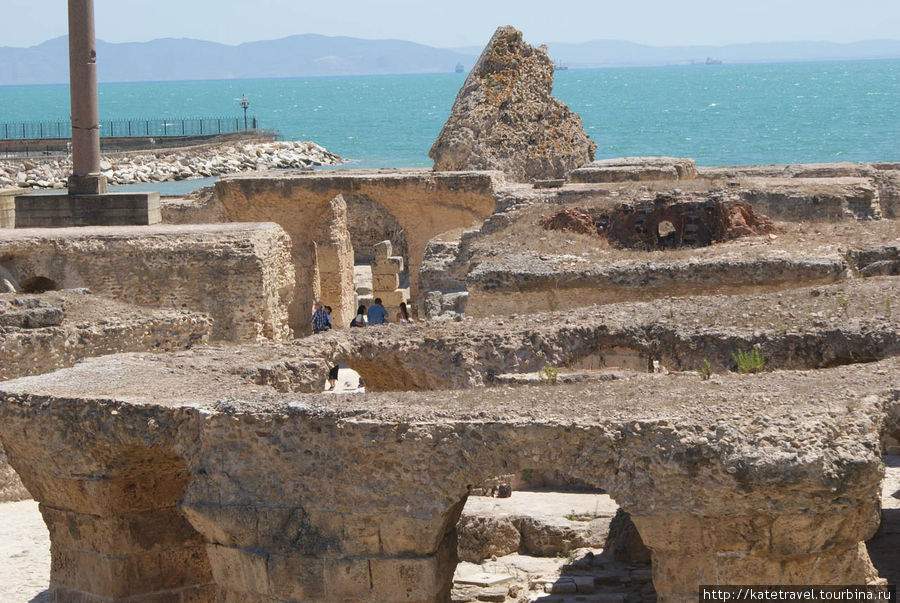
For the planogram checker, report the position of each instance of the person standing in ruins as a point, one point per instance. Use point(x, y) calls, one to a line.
point(403, 314)
point(319, 319)
point(360, 319)
point(377, 314)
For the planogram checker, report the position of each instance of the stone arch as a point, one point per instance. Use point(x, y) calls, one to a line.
point(38, 284)
point(423, 202)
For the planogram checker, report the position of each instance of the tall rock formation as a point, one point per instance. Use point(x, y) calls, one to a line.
point(505, 117)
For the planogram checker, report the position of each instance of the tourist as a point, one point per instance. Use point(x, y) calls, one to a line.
point(330, 324)
point(319, 319)
point(403, 314)
point(332, 378)
point(360, 319)
point(377, 314)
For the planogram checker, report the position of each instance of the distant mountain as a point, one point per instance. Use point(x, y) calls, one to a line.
point(185, 59)
point(611, 53)
point(314, 55)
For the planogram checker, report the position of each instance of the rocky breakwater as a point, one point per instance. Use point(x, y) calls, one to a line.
point(166, 165)
point(505, 117)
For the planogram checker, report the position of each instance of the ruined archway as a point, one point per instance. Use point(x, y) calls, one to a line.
point(38, 284)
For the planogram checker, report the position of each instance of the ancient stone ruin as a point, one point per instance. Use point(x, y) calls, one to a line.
point(708, 356)
point(666, 222)
point(505, 117)
point(386, 271)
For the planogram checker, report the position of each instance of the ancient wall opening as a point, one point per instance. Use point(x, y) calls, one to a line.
point(38, 284)
point(370, 223)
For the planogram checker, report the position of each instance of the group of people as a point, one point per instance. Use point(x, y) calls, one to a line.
point(375, 315)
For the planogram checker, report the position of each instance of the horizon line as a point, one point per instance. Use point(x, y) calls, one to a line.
point(472, 46)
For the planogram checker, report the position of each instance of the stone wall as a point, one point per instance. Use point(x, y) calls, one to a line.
point(42, 333)
point(424, 204)
point(635, 169)
point(814, 199)
point(516, 284)
point(239, 274)
point(149, 477)
point(8, 206)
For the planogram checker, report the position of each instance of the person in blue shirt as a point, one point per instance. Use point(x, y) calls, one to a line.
point(377, 314)
point(319, 320)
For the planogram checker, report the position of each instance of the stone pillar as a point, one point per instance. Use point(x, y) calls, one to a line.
point(115, 531)
point(760, 548)
point(86, 178)
point(386, 271)
point(334, 263)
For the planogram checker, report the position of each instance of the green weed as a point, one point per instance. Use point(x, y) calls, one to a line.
point(751, 362)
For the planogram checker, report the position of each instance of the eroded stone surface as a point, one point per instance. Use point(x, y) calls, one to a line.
point(636, 169)
point(505, 117)
point(239, 274)
point(345, 509)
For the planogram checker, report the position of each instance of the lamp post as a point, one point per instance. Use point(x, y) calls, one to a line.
point(245, 104)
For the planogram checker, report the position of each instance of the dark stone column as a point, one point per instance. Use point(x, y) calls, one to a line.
point(86, 178)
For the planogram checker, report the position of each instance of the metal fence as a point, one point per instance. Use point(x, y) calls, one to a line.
point(131, 128)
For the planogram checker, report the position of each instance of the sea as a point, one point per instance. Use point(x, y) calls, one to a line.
point(725, 114)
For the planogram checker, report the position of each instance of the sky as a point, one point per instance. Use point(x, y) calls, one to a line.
point(466, 22)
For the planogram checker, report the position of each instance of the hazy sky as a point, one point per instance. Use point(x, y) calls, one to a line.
point(466, 22)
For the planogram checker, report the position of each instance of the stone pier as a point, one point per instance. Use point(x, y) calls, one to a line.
point(182, 478)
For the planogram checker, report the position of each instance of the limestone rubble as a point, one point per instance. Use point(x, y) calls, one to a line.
point(505, 117)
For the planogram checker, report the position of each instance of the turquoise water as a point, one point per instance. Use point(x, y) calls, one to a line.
point(717, 114)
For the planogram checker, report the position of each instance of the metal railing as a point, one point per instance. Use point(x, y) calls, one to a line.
point(131, 128)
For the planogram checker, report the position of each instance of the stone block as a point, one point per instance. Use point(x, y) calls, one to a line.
point(736, 534)
point(296, 577)
point(410, 580)
point(134, 533)
point(670, 532)
point(102, 497)
point(404, 535)
point(110, 209)
point(383, 251)
point(385, 282)
point(348, 579)
point(131, 575)
point(676, 575)
point(392, 265)
point(813, 533)
point(241, 570)
point(330, 261)
point(8, 206)
point(392, 300)
point(361, 535)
